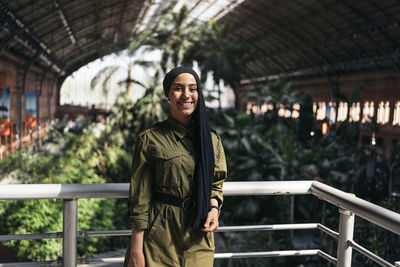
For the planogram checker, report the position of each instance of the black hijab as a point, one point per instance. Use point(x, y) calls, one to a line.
point(204, 170)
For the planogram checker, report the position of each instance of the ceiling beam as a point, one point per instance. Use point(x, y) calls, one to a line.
point(383, 33)
point(283, 32)
point(65, 22)
point(43, 20)
point(83, 32)
point(28, 39)
point(90, 22)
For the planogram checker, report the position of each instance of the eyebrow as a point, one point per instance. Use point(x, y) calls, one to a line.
point(184, 85)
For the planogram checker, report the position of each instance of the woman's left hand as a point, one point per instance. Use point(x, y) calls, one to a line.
point(211, 224)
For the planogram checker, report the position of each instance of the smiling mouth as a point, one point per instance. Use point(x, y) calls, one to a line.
point(185, 104)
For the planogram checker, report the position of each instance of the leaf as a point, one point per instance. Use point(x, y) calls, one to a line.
point(341, 175)
point(245, 142)
point(229, 120)
point(104, 72)
point(370, 170)
point(358, 173)
point(248, 165)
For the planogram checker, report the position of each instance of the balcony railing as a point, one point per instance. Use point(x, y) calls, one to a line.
point(348, 204)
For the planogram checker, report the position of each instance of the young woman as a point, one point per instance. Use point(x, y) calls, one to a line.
point(175, 194)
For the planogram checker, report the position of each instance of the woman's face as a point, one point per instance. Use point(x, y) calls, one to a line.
point(183, 97)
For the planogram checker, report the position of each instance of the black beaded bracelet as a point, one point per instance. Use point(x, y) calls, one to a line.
point(216, 207)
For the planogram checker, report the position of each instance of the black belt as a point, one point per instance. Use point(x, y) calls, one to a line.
point(184, 203)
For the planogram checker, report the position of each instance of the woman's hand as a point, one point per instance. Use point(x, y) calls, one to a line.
point(211, 224)
point(136, 259)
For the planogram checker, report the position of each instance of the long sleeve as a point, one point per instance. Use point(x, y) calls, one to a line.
point(141, 183)
point(220, 173)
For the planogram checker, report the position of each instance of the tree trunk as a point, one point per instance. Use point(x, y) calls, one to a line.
point(129, 83)
point(237, 100)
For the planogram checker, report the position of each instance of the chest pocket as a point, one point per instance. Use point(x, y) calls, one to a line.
point(168, 167)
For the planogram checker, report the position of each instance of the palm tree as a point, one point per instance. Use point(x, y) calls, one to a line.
point(172, 39)
point(105, 75)
point(217, 51)
point(152, 107)
point(175, 35)
point(276, 93)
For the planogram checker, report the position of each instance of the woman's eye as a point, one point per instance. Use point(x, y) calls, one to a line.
point(193, 89)
point(178, 88)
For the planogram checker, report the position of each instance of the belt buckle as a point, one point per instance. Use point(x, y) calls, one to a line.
point(188, 204)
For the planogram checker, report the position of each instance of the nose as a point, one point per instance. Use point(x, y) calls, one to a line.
point(186, 93)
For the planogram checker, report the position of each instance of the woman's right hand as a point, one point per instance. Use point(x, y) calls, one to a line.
point(136, 259)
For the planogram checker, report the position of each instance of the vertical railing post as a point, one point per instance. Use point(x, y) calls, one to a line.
point(346, 230)
point(70, 228)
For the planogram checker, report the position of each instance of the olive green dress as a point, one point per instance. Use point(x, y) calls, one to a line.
point(164, 161)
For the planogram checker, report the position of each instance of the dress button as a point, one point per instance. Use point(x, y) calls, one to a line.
point(189, 176)
point(190, 153)
point(185, 247)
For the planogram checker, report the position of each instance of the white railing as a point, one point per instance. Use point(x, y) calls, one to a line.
point(349, 206)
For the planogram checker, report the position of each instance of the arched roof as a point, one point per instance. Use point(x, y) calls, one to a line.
point(287, 37)
point(319, 37)
point(68, 34)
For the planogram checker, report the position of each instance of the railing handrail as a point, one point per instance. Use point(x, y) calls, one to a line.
point(383, 217)
point(63, 191)
point(120, 190)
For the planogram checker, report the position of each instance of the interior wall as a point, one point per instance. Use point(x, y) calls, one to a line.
point(11, 77)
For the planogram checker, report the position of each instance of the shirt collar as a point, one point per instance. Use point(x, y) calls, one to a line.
point(179, 130)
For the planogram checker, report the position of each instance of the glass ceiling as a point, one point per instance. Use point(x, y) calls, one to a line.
point(201, 10)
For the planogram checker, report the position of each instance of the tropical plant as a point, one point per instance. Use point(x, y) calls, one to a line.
point(80, 159)
point(173, 37)
point(265, 148)
point(277, 93)
point(105, 76)
point(218, 52)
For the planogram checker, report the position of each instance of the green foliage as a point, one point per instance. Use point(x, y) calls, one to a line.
point(268, 147)
point(262, 148)
point(173, 37)
point(219, 53)
point(83, 160)
point(30, 216)
point(151, 108)
point(377, 240)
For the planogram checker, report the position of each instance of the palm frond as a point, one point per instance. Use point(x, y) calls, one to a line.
point(107, 77)
point(100, 76)
point(131, 81)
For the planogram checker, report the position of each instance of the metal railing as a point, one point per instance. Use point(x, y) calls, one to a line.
point(349, 206)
